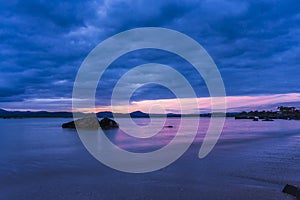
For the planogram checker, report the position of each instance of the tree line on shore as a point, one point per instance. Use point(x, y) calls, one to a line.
point(283, 112)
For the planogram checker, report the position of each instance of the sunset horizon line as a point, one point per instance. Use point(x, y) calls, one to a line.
point(234, 104)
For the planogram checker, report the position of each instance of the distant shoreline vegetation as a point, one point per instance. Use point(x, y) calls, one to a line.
point(45, 114)
point(282, 113)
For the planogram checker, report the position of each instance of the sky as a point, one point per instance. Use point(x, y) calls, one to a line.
point(255, 45)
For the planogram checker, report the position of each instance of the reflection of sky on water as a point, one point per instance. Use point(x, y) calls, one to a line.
point(234, 131)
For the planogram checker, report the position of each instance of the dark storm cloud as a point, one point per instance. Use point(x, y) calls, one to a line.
point(35, 52)
point(255, 44)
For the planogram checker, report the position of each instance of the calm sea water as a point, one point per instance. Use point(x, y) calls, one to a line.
point(252, 160)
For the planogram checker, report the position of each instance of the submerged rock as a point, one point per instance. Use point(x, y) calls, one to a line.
point(91, 123)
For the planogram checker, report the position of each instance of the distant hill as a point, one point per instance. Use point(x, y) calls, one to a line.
point(104, 114)
point(139, 114)
point(173, 115)
point(27, 114)
point(3, 111)
point(46, 114)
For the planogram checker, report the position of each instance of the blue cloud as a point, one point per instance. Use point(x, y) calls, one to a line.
point(255, 44)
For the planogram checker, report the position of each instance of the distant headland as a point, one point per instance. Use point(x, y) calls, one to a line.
point(45, 114)
point(283, 112)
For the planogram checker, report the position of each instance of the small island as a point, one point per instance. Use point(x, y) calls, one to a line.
point(91, 123)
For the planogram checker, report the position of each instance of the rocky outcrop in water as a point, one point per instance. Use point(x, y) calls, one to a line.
point(107, 123)
point(91, 123)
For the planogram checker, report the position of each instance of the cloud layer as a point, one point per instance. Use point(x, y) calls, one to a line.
point(255, 44)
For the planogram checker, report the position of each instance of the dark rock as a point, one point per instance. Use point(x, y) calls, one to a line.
point(91, 123)
point(267, 119)
point(68, 125)
point(169, 126)
point(83, 123)
point(107, 123)
point(291, 190)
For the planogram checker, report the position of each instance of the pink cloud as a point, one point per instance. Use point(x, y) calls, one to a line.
point(234, 103)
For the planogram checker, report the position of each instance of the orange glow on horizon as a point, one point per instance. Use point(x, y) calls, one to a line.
point(234, 103)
